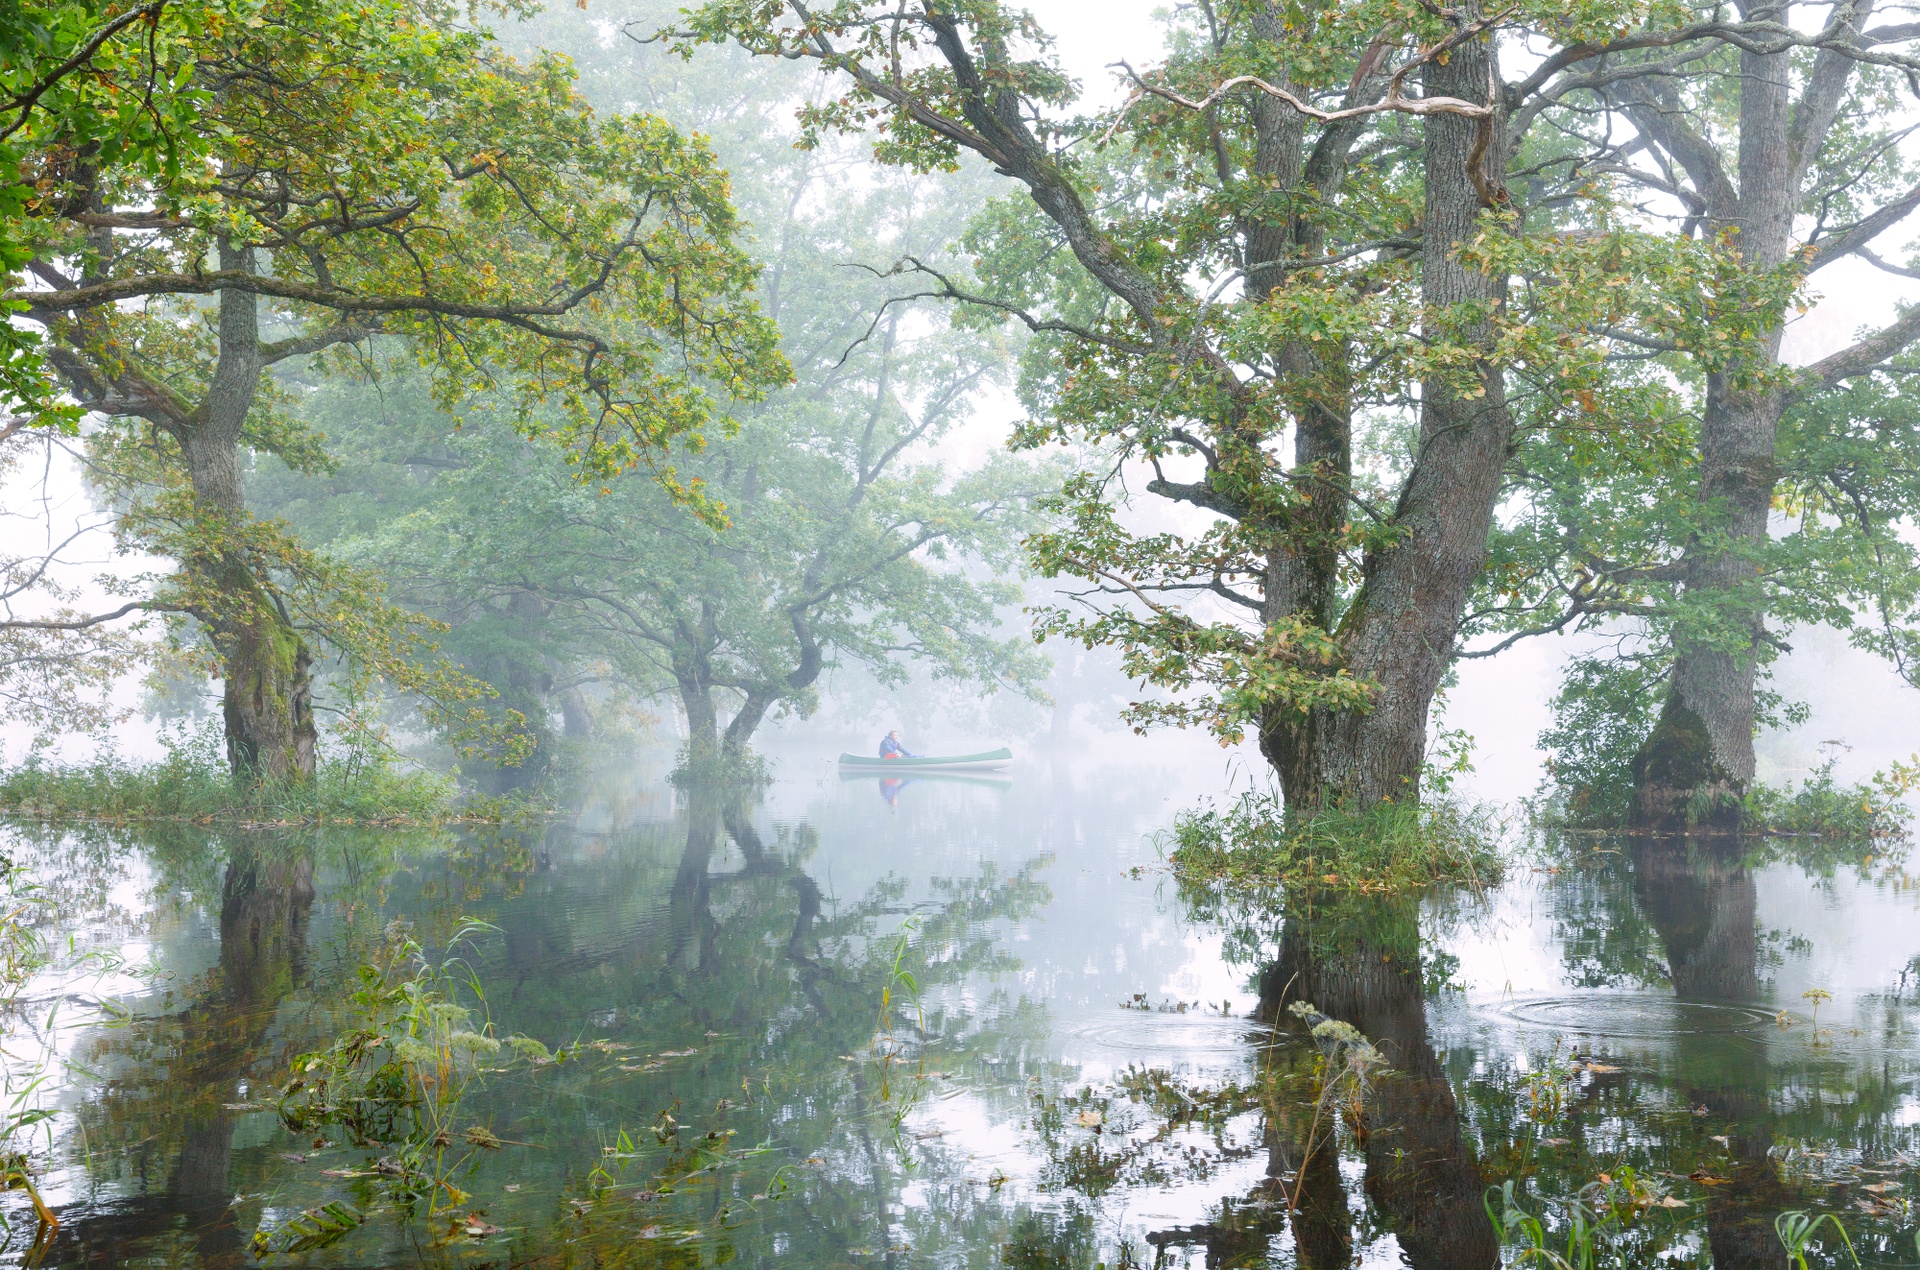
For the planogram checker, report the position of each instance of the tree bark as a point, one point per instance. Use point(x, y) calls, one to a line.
point(1302, 567)
point(762, 697)
point(267, 688)
point(576, 716)
point(747, 719)
point(1398, 633)
point(1699, 759)
point(703, 722)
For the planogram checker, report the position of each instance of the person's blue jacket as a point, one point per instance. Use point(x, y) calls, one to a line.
point(890, 748)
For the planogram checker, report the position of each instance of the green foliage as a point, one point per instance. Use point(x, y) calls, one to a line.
point(1603, 713)
point(193, 782)
point(1649, 540)
point(367, 182)
point(392, 1081)
point(1229, 297)
point(1604, 709)
point(474, 197)
point(1253, 844)
point(1821, 807)
point(303, 595)
point(835, 529)
point(101, 79)
point(723, 769)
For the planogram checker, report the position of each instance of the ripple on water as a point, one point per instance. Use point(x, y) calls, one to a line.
point(1638, 1016)
point(1141, 1032)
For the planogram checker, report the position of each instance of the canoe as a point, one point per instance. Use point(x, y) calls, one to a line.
point(988, 761)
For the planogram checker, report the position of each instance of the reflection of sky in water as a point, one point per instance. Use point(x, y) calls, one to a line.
point(1084, 993)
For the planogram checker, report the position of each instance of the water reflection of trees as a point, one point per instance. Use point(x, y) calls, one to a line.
point(782, 987)
point(1735, 1125)
point(709, 935)
point(158, 1131)
point(1357, 959)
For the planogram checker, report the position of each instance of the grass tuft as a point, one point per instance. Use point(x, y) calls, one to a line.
point(193, 783)
point(1253, 844)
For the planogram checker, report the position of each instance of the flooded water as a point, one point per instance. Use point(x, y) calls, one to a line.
point(974, 1023)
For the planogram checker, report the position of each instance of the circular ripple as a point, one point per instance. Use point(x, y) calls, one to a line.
point(1633, 1016)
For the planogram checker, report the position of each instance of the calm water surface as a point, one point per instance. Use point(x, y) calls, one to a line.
point(1096, 1068)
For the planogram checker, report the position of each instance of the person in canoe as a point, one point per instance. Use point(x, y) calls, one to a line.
point(890, 747)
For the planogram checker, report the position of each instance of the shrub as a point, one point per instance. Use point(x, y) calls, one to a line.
point(1387, 846)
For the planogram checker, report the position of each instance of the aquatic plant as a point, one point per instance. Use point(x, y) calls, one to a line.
point(1596, 1219)
point(1345, 1067)
point(1579, 1248)
point(1815, 997)
point(1797, 1228)
point(1253, 843)
point(900, 986)
point(1549, 1088)
point(23, 953)
point(393, 1082)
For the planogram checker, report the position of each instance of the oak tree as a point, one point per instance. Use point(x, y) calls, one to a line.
point(367, 170)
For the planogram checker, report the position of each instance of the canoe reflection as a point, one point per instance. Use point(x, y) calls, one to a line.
point(891, 787)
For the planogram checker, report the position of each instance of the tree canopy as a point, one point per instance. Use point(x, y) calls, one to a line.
point(370, 171)
point(833, 533)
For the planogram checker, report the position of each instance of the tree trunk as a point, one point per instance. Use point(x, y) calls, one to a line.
point(740, 730)
point(1699, 758)
point(1399, 631)
point(576, 716)
point(1302, 565)
point(703, 723)
point(761, 697)
point(267, 694)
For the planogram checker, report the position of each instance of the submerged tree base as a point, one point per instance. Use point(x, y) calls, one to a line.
point(189, 785)
point(1381, 847)
point(1874, 810)
point(724, 769)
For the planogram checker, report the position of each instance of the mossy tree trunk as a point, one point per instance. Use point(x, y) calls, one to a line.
point(267, 688)
point(267, 697)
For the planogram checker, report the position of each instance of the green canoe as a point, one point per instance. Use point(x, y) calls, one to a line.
point(989, 761)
